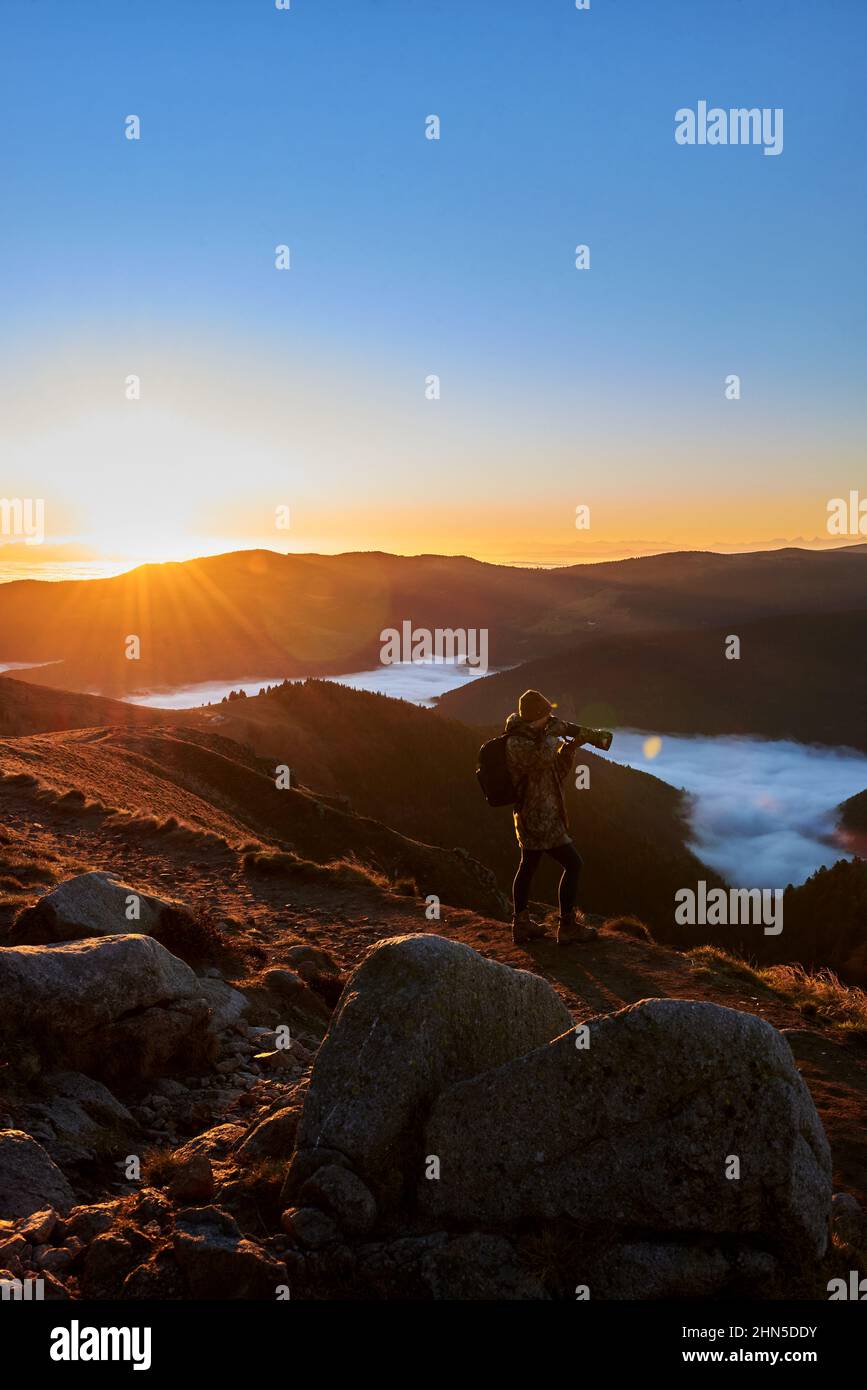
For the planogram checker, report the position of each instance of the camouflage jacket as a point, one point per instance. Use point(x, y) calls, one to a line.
point(539, 762)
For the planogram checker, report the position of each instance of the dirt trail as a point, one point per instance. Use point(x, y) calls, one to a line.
point(615, 970)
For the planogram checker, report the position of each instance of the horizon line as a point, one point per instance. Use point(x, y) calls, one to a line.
point(117, 569)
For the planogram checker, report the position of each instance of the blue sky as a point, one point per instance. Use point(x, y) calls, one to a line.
point(412, 256)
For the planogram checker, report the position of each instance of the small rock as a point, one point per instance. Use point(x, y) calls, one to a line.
point(213, 1143)
point(174, 1090)
point(272, 1137)
point(35, 1228)
point(52, 1287)
point(152, 1206)
point(29, 1179)
point(228, 1004)
point(342, 1193)
point(12, 1251)
point(158, 1278)
point(57, 1261)
point(310, 1226)
point(192, 1179)
point(313, 959)
point(88, 1222)
point(108, 1260)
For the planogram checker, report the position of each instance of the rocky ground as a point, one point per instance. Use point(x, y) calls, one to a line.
point(186, 1111)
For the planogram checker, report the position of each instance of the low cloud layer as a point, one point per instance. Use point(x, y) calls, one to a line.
point(420, 682)
point(761, 811)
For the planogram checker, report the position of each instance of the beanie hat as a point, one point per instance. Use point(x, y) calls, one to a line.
point(532, 706)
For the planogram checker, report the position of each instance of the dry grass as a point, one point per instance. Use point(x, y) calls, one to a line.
point(630, 926)
point(822, 995)
point(195, 936)
point(158, 1168)
point(136, 823)
point(270, 863)
point(347, 872)
point(26, 870)
point(133, 823)
point(553, 1253)
point(254, 1195)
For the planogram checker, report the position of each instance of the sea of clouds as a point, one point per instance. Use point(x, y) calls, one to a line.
point(762, 812)
point(420, 682)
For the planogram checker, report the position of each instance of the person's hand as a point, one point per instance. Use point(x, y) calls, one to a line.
point(576, 731)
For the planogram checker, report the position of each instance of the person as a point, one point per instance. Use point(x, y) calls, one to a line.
point(540, 752)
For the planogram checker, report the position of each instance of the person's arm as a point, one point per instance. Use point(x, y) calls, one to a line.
point(565, 758)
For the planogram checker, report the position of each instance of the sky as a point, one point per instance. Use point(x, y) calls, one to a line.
point(263, 390)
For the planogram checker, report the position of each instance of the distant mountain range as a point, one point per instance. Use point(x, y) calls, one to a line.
point(261, 615)
point(800, 677)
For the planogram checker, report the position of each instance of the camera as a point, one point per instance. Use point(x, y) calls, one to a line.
point(598, 738)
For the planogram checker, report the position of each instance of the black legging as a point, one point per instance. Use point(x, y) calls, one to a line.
point(568, 856)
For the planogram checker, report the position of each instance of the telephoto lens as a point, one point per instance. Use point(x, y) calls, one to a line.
point(599, 738)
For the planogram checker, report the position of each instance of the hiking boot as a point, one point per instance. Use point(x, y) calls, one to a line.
point(525, 929)
point(574, 929)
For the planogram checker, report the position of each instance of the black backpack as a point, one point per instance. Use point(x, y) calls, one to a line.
point(493, 773)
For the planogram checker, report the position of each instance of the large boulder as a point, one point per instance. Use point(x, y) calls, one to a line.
point(639, 1132)
point(92, 904)
point(111, 1006)
point(29, 1180)
point(419, 1013)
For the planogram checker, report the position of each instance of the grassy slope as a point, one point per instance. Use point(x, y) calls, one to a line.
point(31, 709)
point(201, 788)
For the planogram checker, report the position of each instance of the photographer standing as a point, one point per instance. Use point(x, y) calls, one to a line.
point(540, 751)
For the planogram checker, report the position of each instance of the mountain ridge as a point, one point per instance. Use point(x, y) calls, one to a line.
point(261, 615)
